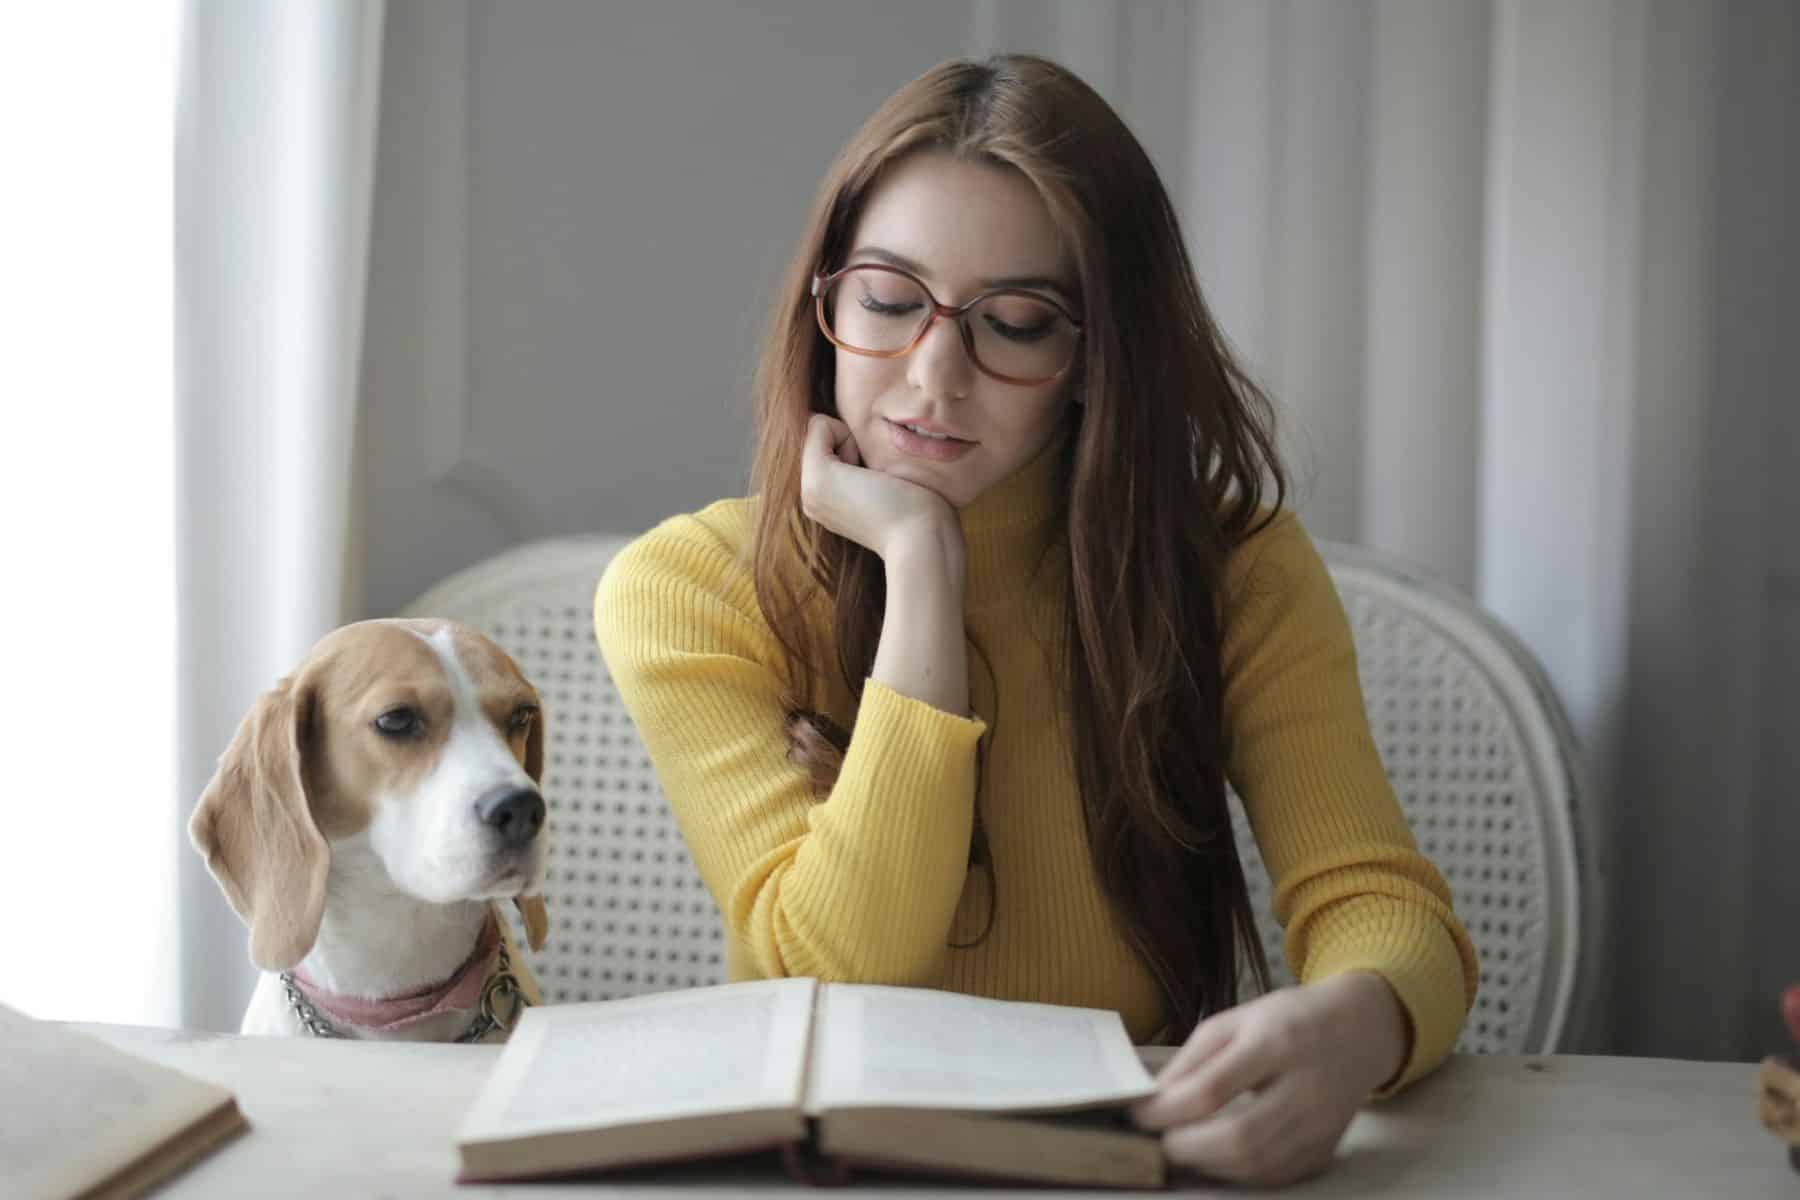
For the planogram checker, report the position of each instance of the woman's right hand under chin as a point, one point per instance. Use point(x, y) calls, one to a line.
point(919, 538)
point(886, 514)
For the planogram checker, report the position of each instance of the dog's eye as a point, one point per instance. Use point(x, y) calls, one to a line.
point(522, 719)
point(398, 722)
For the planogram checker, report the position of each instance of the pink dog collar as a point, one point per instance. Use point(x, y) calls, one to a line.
point(391, 1014)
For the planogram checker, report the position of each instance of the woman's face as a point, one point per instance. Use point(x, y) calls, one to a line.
point(962, 228)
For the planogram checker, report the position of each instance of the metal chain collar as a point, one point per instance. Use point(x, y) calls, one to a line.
point(501, 995)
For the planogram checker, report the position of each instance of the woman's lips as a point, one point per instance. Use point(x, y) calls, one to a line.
point(919, 446)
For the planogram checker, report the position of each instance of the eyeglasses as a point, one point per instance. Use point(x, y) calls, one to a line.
point(1012, 335)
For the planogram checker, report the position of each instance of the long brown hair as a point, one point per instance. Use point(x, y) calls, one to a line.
point(1172, 443)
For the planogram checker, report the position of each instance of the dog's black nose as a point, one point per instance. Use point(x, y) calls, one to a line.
point(516, 814)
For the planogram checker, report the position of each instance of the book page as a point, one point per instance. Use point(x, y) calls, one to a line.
point(729, 1048)
point(915, 1047)
point(73, 1109)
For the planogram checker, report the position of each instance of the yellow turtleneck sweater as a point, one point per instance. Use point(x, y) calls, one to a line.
point(871, 884)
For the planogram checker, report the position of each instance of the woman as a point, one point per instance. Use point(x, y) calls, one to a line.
point(953, 699)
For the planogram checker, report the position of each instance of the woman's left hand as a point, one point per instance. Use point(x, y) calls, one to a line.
point(1298, 1062)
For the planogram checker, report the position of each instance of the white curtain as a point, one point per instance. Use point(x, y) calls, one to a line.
point(274, 173)
point(1520, 276)
point(87, 858)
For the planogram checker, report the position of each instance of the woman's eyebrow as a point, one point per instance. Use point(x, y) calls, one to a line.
point(1038, 282)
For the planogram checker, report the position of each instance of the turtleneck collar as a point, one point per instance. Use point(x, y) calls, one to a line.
point(1007, 528)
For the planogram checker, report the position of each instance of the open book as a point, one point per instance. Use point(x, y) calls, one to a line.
point(834, 1075)
point(81, 1119)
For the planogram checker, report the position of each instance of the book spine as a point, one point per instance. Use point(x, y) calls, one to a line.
point(804, 1161)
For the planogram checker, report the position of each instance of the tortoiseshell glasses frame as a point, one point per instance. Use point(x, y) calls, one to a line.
point(822, 284)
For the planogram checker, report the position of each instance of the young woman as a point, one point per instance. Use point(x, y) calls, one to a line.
point(953, 699)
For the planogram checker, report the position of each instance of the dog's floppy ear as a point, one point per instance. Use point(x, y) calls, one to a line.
point(531, 908)
point(537, 921)
point(534, 748)
point(256, 830)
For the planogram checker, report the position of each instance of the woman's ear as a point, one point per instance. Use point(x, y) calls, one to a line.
point(254, 825)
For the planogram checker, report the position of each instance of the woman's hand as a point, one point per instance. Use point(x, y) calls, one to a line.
point(920, 540)
point(868, 507)
point(1298, 1063)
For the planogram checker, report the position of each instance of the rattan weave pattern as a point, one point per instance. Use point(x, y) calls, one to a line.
point(628, 913)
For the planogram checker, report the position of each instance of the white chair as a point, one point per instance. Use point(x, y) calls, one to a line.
point(1471, 735)
point(628, 913)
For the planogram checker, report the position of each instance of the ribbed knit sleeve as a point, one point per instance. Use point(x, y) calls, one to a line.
point(1352, 891)
point(861, 885)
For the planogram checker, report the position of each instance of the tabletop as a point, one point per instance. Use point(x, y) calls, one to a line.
point(367, 1119)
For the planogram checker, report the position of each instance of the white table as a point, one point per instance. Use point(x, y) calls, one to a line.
point(359, 1119)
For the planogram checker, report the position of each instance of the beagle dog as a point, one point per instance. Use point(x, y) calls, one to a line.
point(371, 809)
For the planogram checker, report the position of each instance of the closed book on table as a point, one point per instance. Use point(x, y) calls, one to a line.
point(79, 1118)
